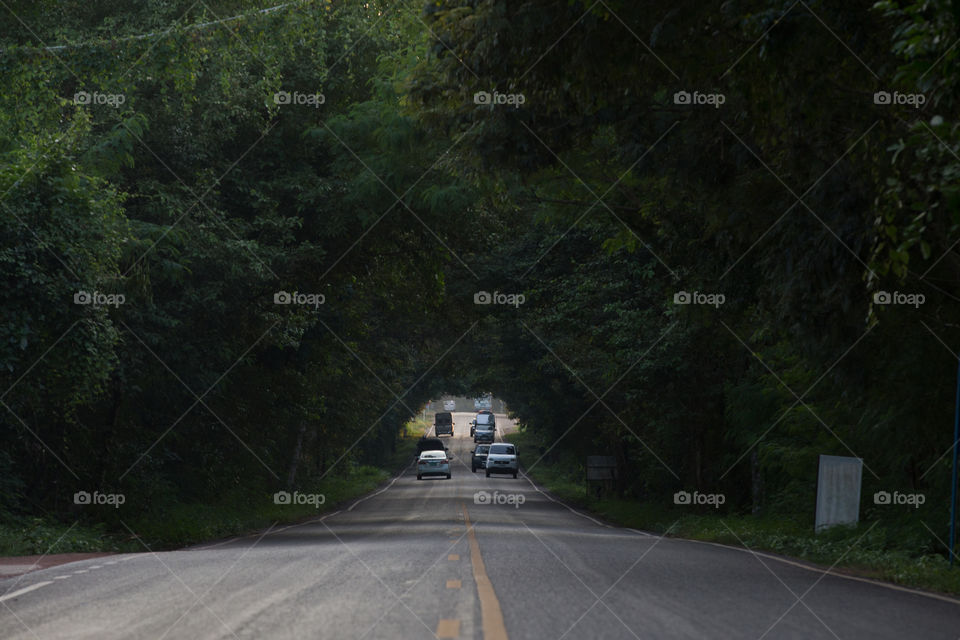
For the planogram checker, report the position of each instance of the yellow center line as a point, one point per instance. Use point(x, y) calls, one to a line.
point(453, 584)
point(448, 628)
point(490, 614)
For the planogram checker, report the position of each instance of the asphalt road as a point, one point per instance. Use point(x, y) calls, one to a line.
point(422, 559)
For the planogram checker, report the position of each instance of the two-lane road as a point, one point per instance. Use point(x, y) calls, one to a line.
point(423, 559)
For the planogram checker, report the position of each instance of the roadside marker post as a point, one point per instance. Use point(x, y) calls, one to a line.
point(953, 473)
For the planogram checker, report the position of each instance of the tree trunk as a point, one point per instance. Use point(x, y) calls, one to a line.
point(295, 461)
point(756, 482)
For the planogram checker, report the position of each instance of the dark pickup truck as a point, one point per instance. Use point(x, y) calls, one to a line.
point(478, 457)
point(443, 423)
point(484, 433)
point(429, 444)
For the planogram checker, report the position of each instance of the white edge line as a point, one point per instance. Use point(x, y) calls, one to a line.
point(794, 563)
point(211, 546)
point(298, 524)
point(801, 565)
point(259, 533)
point(305, 522)
point(566, 506)
point(579, 513)
point(376, 493)
point(20, 592)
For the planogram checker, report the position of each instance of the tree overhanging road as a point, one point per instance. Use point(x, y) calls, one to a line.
point(242, 243)
point(423, 559)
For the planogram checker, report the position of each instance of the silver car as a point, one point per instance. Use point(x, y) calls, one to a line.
point(502, 458)
point(433, 463)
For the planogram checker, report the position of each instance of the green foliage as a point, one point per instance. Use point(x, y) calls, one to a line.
point(797, 199)
point(895, 550)
point(182, 180)
point(37, 536)
point(242, 513)
point(182, 183)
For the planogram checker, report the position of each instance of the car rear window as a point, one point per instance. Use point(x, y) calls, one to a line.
point(502, 448)
point(484, 418)
point(432, 454)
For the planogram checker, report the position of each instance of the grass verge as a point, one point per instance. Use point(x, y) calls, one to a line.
point(184, 524)
point(897, 551)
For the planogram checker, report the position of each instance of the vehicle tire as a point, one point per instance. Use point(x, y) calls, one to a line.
point(419, 477)
point(448, 476)
point(488, 474)
point(514, 476)
point(474, 469)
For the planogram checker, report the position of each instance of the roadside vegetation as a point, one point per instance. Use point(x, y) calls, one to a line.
point(888, 549)
point(184, 524)
point(712, 243)
point(183, 286)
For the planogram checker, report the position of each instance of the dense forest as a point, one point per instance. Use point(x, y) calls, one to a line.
point(243, 241)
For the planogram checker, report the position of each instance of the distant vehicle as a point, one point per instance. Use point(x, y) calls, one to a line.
point(484, 433)
point(443, 424)
point(478, 459)
point(430, 444)
point(449, 405)
point(485, 421)
point(433, 463)
point(502, 458)
point(473, 423)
